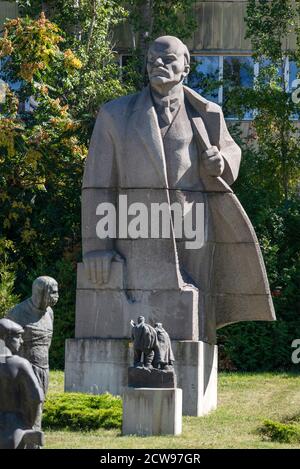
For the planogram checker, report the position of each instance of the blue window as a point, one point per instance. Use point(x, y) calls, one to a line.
point(237, 72)
point(214, 77)
point(205, 76)
point(293, 75)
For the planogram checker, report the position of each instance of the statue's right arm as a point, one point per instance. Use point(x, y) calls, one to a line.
point(100, 183)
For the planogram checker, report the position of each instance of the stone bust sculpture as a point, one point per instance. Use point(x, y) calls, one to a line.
point(35, 315)
point(167, 144)
point(20, 393)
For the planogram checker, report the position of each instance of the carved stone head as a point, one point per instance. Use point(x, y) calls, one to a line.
point(44, 292)
point(168, 62)
point(11, 334)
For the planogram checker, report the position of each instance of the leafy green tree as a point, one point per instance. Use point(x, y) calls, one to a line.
point(88, 30)
point(8, 298)
point(57, 75)
point(41, 155)
point(149, 19)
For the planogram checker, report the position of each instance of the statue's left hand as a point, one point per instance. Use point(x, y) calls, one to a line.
point(98, 265)
point(213, 161)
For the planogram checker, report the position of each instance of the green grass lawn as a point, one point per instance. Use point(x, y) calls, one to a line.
point(245, 401)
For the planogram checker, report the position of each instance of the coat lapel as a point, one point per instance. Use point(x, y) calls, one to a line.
point(205, 110)
point(206, 123)
point(145, 125)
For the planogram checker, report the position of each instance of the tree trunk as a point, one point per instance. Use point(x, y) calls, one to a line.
point(145, 33)
point(92, 25)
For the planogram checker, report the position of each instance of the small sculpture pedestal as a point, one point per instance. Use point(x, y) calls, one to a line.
point(152, 411)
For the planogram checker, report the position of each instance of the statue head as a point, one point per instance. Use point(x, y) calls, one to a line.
point(11, 334)
point(44, 292)
point(168, 62)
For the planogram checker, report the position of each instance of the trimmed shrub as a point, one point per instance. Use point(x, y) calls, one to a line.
point(282, 432)
point(76, 411)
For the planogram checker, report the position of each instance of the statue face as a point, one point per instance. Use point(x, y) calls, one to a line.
point(53, 295)
point(14, 343)
point(166, 63)
point(44, 292)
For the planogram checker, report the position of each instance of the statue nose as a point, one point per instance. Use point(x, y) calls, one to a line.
point(158, 61)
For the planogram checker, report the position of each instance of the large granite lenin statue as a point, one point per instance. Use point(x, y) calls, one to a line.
point(167, 144)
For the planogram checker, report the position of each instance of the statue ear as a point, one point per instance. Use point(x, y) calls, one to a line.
point(186, 70)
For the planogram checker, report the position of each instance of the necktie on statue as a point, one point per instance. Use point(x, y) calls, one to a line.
point(167, 108)
point(166, 113)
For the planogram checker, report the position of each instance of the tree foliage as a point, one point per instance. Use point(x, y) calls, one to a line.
point(45, 125)
point(88, 28)
point(152, 18)
point(269, 24)
point(149, 19)
point(8, 298)
point(40, 153)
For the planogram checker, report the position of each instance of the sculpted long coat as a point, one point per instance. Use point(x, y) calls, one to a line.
point(20, 399)
point(127, 157)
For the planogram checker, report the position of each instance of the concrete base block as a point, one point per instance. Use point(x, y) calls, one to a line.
point(97, 365)
point(101, 365)
point(196, 367)
point(152, 411)
point(177, 310)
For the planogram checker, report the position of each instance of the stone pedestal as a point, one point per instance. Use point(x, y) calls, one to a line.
point(106, 310)
point(197, 374)
point(152, 411)
point(101, 365)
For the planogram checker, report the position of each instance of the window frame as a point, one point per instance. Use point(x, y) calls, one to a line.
point(224, 54)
